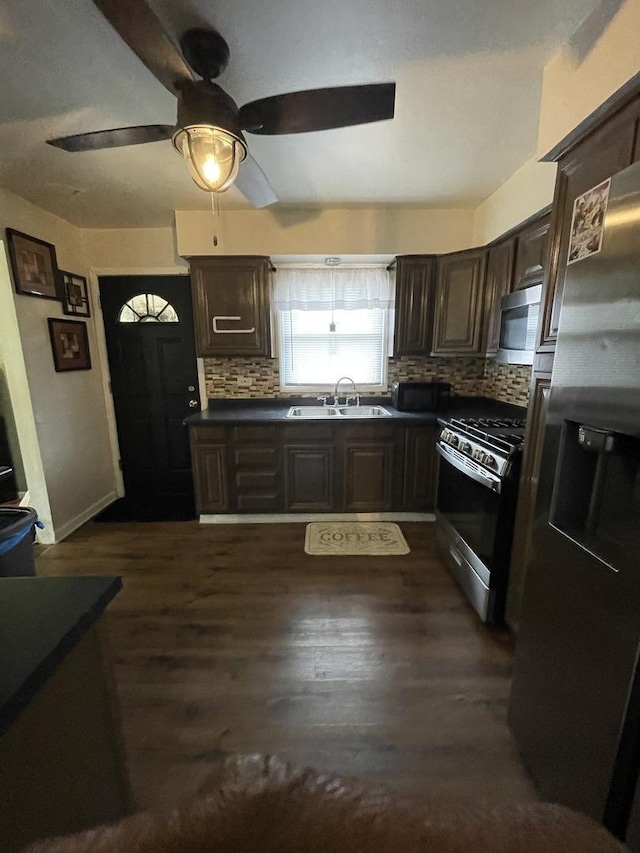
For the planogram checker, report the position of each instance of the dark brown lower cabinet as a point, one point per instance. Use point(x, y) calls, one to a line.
point(368, 464)
point(255, 463)
point(528, 489)
point(368, 477)
point(419, 475)
point(309, 478)
point(314, 468)
point(210, 474)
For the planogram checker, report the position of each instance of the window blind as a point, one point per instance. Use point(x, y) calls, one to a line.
point(318, 347)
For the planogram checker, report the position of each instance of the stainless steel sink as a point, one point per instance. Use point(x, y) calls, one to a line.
point(365, 412)
point(312, 412)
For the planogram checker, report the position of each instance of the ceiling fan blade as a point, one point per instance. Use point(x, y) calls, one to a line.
point(319, 109)
point(114, 138)
point(254, 184)
point(139, 27)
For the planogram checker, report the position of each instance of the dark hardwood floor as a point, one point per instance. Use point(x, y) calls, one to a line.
point(231, 639)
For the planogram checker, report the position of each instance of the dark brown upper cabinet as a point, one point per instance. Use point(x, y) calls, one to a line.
point(607, 150)
point(531, 254)
point(499, 282)
point(231, 305)
point(415, 282)
point(459, 304)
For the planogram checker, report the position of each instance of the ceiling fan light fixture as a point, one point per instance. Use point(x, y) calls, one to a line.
point(213, 155)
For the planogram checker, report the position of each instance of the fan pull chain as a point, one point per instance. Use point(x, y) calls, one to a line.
point(215, 212)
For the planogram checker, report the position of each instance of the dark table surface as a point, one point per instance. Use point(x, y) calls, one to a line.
point(41, 621)
point(224, 412)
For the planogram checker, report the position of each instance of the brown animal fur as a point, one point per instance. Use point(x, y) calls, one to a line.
point(269, 807)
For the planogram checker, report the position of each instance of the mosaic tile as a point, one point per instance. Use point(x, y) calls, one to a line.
point(236, 377)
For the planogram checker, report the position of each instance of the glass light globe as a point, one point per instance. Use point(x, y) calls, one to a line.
point(213, 156)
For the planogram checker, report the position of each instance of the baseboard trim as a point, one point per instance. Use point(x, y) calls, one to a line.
point(306, 517)
point(67, 529)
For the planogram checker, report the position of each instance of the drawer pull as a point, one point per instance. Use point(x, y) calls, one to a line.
point(218, 331)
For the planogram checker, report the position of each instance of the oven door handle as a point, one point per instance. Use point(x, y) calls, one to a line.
point(485, 478)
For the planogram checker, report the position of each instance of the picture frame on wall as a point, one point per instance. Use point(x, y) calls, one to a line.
point(33, 264)
point(69, 345)
point(74, 294)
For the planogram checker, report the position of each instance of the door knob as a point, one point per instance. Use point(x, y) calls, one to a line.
point(193, 404)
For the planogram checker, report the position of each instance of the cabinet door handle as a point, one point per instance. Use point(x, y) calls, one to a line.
point(217, 331)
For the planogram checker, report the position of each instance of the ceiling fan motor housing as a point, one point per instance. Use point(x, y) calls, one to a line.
point(204, 103)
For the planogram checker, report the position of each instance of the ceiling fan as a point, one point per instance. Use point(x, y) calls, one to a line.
point(209, 129)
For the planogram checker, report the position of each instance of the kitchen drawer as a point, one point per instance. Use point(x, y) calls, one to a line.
point(259, 503)
point(259, 433)
point(368, 432)
point(308, 432)
point(256, 482)
point(208, 435)
point(255, 457)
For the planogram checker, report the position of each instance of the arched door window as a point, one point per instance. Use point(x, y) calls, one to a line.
point(147, 308)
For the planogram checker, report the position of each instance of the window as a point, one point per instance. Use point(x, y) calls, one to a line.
point(332, 323)
point(147, 308)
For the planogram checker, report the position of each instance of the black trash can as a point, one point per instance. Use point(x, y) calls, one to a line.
point(16, 541)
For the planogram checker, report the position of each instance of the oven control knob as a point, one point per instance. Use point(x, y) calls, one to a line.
point(464, 446)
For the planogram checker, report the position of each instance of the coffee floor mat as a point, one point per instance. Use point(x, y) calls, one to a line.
point(344, 538)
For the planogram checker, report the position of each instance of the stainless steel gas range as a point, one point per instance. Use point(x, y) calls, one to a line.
point(477, 494)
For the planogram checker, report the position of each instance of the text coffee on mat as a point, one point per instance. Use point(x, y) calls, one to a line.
point(354, 537)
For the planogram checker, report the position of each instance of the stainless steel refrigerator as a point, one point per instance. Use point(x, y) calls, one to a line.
point(575, 701)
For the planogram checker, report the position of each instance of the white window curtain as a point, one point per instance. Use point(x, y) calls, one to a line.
point(330, 289)
point(332, 322)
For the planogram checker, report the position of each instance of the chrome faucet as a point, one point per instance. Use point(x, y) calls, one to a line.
point(356, 396)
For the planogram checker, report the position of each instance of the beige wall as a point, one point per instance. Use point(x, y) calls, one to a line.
point(573, 88)
point(326, 231)
point(130, 248)
point(14, 368)
point(527, 191)
point(60, 416)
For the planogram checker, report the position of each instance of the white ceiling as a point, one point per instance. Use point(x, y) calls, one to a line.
point(468, 88)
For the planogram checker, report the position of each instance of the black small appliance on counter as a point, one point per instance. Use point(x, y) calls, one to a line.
point(420, 396)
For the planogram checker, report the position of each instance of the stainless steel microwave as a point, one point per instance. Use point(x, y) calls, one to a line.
point(518, 325)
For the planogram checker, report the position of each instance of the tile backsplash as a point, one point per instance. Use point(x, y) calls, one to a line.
point(507, 382)
point(466, 375)
point(245, 377)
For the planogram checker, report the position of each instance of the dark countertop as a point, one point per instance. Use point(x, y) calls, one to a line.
point(228, 411)
point(41, 621)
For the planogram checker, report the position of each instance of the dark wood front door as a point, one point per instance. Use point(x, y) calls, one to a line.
point(148, 324)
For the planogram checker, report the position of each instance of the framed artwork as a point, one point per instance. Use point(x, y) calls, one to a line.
point(587, 222)
point(34, 265)
point(74, 294)
point(70, 345)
